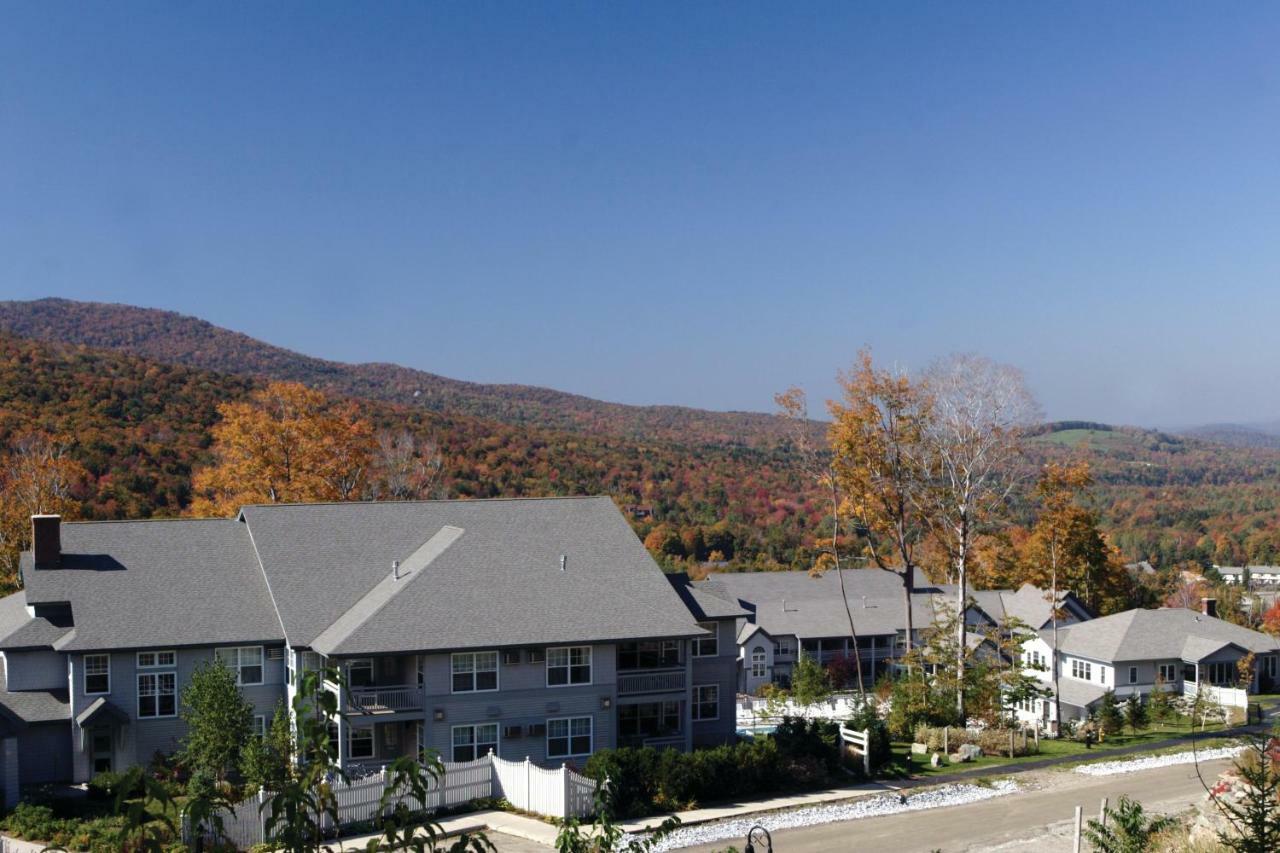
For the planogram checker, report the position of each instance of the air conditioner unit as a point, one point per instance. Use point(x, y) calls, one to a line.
point(511, 656)
point(275, 653)
point(537, 729)
point(536, 656)
point(512, 732)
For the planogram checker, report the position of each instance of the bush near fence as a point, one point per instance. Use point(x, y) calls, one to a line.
point(801, 755)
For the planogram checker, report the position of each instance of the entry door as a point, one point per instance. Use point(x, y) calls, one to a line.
point(102, 751)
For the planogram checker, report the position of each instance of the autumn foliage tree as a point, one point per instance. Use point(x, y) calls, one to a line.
point(879, 460)
point(37, 476)
point(286, 443)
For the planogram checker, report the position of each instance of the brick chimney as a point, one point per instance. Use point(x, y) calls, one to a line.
point(46, 540)
point(1209, 607)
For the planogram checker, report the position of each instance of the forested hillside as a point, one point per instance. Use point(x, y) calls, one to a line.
point(171, 338)
point(141, 425)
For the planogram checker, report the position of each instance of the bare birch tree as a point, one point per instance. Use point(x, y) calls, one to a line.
point(979, 411)
point(405, 469)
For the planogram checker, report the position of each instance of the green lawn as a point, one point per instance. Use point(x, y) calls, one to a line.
point(907, 764)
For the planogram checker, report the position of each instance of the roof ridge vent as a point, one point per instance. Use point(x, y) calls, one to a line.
point(564, 558)
point(395, 570)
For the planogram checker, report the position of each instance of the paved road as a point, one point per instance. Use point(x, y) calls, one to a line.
point(1034, 820)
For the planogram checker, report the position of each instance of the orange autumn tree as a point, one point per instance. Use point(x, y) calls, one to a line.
point(287, 443)
point(37, 476)
point(880, 464)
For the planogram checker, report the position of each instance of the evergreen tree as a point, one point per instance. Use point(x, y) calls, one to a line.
point(1135, 713)
point(1110, 719)
point(810, 681)
point(1161, 702)
point(1255, 817)
point(1126, 828)
point(265, 762)
point(219, 720)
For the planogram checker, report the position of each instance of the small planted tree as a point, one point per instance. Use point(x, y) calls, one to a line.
point(265, 762)
point(810, 682)
point(1126, 828)
point(1254, 815)
point(1135, 713)
point(1110, 718)
point(1161, 702)
point(219, 721)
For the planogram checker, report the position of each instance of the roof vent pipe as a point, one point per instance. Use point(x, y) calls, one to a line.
point(563, 558)
point(395, 570)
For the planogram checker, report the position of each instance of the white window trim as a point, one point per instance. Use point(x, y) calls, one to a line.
point(138, 695)
point(714, 628)
point(694, 704)
point(591, 667)
point(1168, 667)
point(158, 665)
point(239, 667)
point(1133, 675)
point(352, 664)
point(497, 673)
point(497, 738)
point(260, 725)
point(84, 676)
point(569, 737)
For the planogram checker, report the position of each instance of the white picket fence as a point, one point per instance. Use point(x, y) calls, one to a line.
point(560, 793)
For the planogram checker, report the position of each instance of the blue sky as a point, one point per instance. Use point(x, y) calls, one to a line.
point(692, 203)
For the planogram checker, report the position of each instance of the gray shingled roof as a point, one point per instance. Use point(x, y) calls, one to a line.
point(809, 607)
point(499, 584)
point(1080, 694)
point(707, 600)
point(35, 706)
point(1164, 634)
point(138, 584)
point(20, 630)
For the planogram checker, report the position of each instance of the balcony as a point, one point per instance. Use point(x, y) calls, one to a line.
point(385, 699)
point(657, 681)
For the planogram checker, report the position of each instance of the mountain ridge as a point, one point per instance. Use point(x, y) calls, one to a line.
point(179, 339)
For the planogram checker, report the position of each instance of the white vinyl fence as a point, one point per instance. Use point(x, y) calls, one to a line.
point(556, 793)
point(1227, 697)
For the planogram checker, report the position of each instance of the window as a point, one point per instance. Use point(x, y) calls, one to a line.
point(475, 672)
point(649, 654)
point(1081, 669)
point(568, 665)
point(706, 702)
point(1033, 659)
point(97, 674)
point(153, 660)
point(706, 647)
point(157, 694)
point(781, 648)
point(568, 736)
point(757, 663)
point(259, 725)
point(1269, 666)
point(472, 742)
point(244, 661)
point(1168, 672)
point(1133, 675)
point(649, 719)
point(360, 672)
point(1222, 673)
point(360, 742)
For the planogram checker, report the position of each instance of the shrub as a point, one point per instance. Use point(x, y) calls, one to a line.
point(802, 754)
point(879, 742)
point(107, 786)
point(992, 741)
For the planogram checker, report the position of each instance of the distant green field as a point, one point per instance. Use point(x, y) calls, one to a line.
point(1091, 439)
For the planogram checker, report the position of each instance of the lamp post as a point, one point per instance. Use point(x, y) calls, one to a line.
point(754, 838)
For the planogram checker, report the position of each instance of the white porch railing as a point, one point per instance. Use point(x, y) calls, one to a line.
point(664, 681)
point(386, 700)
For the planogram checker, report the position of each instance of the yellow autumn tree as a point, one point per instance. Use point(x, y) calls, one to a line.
point(880, 461)
point(37, 476)
point(288, 443)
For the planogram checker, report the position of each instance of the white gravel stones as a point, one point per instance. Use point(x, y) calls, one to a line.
point(1133, 765)
point(945, 795)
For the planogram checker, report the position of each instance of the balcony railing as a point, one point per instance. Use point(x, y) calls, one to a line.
point(662, 681)
point(388, 699)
